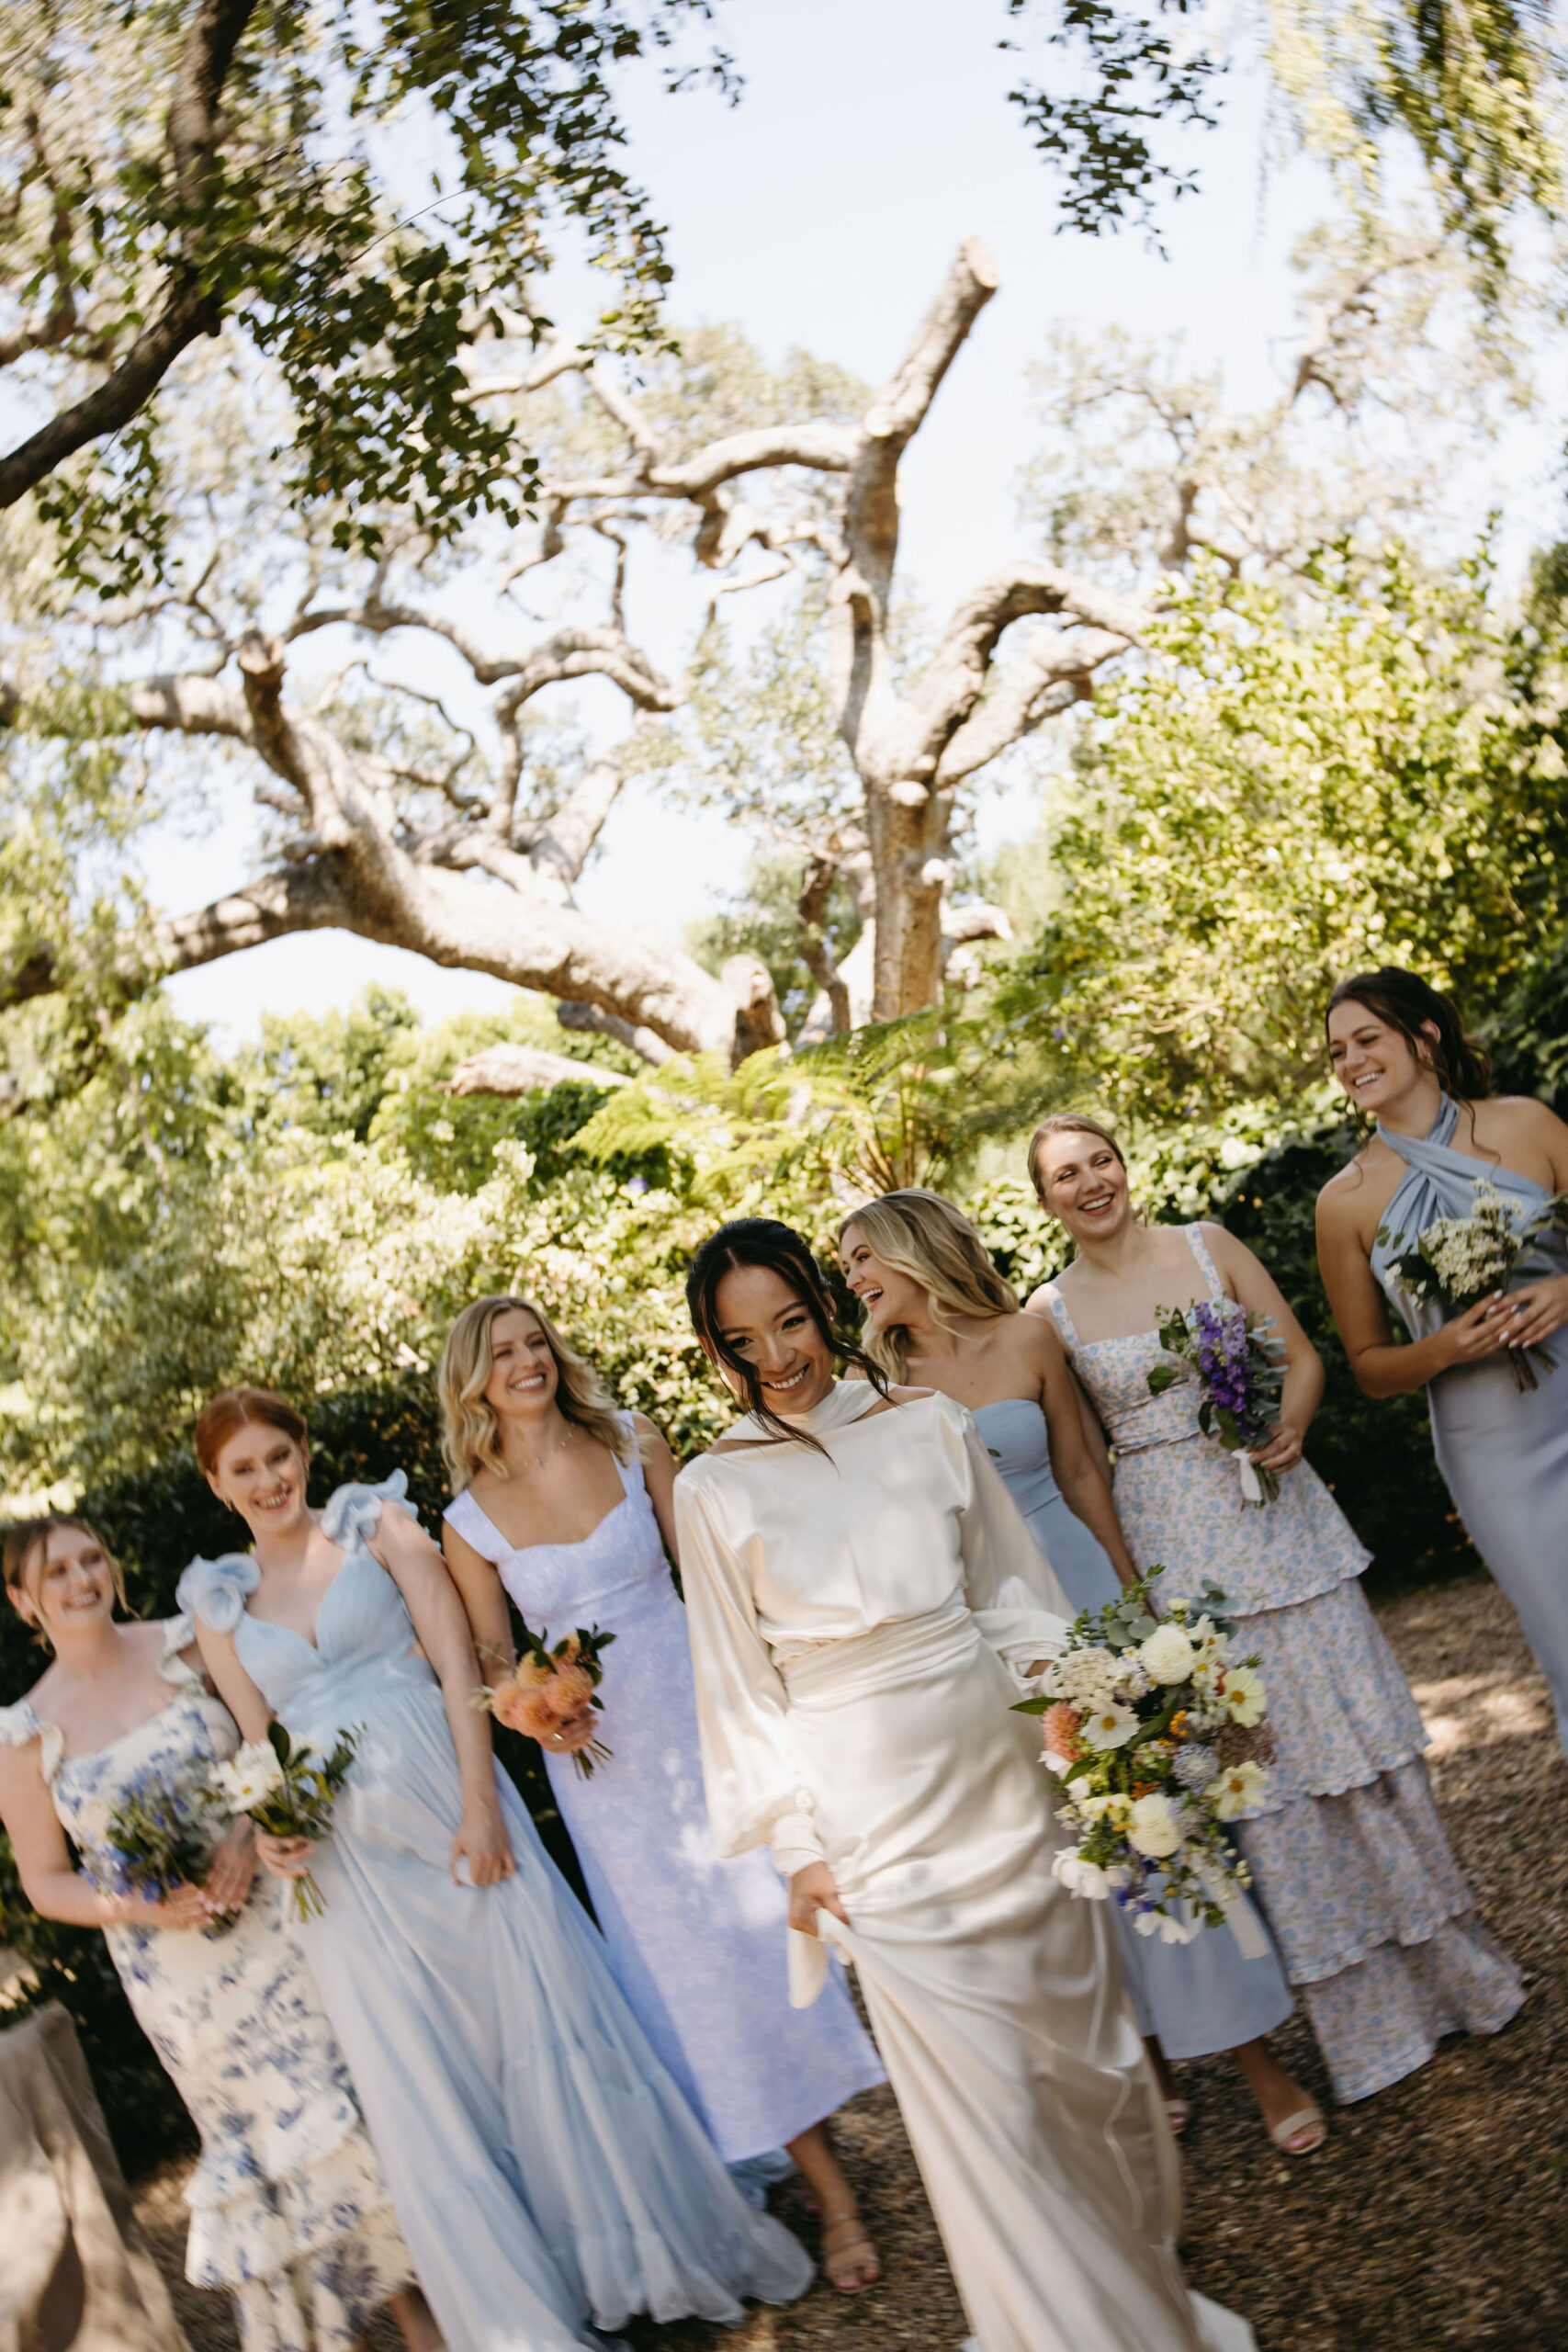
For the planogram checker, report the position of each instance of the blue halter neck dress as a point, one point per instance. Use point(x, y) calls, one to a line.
point(1503, 1454)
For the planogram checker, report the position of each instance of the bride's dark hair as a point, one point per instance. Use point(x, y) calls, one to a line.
point(779, 1249)
point(1409, 1003)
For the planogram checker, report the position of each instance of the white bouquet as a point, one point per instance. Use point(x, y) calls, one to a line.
point(1156, 1730)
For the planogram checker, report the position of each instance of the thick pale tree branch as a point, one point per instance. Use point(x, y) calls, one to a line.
point(1026, 692)
point(190, 704)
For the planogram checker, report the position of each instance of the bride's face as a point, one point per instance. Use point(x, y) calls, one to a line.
point(1083, 1183)
point(767, 1323)
point(261, 1474)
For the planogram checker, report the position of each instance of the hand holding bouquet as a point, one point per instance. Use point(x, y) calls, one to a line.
point(550, 1690)
point(160, 1840)
point(288, 1792)
point(1240, 1373)
point(1458, 1260)
point(1156, 1729)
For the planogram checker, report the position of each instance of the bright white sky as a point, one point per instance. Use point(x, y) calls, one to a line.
point(872, 136)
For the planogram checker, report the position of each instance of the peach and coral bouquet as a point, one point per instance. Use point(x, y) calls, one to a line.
point(548, 1689)
point(1154, 1728)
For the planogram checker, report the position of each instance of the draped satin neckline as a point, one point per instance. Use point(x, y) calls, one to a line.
point(846, 1401)
point(1434, 1157)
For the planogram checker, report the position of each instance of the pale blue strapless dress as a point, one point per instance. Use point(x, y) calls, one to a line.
point(1195, 1998)
point(697, 1944)
point(1503, 1453)
point(546, 2170)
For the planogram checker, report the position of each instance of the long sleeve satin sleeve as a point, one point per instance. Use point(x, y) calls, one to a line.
point(1019, 1605)
point(754, 1791)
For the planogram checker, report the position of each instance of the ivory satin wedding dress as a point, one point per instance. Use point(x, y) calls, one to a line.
point(864, 1614)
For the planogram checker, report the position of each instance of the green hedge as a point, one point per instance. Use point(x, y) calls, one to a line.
point(1376, 1457)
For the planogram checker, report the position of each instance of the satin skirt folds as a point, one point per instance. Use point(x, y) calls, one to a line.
point(1503, 1454)
point(995, 1996)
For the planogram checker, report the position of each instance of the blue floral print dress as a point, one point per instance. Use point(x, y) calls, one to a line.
point(288, 2209)
point(1369, 1911)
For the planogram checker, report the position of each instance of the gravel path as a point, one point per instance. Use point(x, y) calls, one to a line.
point(1435, 2214)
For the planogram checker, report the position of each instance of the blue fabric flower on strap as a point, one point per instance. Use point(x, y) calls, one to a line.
point(357, 1510)
point(216, 1591)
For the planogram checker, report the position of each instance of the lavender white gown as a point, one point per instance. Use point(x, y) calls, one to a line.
point(1503, 1454)
point(546, 2170)
point(696, 1944)
point(1196, 1997)
point(1368, 1907)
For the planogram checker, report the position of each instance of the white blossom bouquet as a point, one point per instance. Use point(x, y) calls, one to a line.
point(1156, 1729)
point(288, 1792)
point(1458, 1260)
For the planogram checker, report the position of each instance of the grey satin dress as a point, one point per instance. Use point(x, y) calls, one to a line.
point(1503, 1453)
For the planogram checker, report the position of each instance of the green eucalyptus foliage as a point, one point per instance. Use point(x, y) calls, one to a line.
point(363, 192)
point(1287, 793)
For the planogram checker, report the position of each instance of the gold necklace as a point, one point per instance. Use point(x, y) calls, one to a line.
point(537, 1461)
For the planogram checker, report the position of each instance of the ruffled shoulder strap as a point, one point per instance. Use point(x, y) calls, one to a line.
point(178, 1634)
point(357, 1510)
point(1061, 1316)
point(22, 1724)
point(214, 1593)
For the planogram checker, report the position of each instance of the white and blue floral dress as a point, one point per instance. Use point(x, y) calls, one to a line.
point(1369, 1909)
point(288, 2208)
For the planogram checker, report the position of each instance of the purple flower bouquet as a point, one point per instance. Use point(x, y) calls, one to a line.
point(1240, 1371)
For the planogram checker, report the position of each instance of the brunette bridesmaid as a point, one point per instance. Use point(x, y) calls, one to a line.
point(1401, 1054)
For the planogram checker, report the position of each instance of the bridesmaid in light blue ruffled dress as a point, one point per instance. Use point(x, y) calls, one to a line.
point(1400, 1052)
point(939, 1316)
point(548, 2174)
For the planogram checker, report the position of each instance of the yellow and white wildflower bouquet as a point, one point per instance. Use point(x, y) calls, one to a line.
point(1156, 1729)
point(1457, 1261)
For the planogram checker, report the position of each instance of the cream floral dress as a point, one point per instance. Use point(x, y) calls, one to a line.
point(1369, 1910)
point(288, 2209)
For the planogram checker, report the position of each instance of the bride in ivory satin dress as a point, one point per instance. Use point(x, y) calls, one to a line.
point(866, 1604)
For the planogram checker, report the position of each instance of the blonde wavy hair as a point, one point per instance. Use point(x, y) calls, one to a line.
point(920, 1233)
point(471, 1434)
